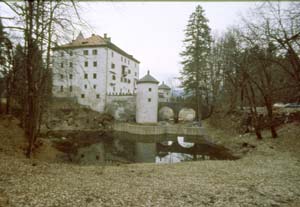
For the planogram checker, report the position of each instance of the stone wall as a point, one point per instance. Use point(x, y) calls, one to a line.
point(158, 130)
point(122, 108)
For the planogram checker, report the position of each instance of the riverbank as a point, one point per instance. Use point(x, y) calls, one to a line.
point(267, 175)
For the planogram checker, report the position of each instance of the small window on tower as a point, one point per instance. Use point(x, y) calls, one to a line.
point(94, 86)
point(113, 77)
point(70, 64)
point(112, 54)
point(149, 99)
point(85, 76)
point(86, 64)
point(61, 88)
point(95, 75)
point(85, 86)
point(112, 66)
point(98, 96)
point(95, 63)
point(149, 89)
point(82, 95)
point(85, 52)
point(71, 88)
point(95, 52)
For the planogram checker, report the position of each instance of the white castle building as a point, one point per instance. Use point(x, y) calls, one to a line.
point(92, 69)
point(164, 93)
point(147, 99)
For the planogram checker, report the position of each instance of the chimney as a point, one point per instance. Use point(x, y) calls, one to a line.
point(105, 35)
point(148, 72)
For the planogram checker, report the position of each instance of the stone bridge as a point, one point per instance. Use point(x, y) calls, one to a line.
point(176, 107)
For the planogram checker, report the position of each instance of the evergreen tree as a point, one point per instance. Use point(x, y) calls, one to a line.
point(194, 75)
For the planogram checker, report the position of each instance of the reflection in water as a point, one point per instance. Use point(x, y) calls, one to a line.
point(127, 148)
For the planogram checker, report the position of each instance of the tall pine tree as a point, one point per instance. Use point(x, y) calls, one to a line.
point(194, 75)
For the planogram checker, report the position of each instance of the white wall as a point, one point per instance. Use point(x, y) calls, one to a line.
point(166, 95)
point(146, 112)
point(103, 81)
point(132, 70)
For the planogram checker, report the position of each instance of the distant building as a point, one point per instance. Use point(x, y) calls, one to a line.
point(164, 93)
point(147, 99)
point(91, 69)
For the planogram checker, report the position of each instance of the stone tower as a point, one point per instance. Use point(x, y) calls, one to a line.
point(147, 99)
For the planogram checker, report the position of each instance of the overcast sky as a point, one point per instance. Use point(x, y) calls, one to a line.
point(153, 32)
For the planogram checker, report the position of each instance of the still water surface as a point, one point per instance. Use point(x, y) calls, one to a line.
point(128, 148)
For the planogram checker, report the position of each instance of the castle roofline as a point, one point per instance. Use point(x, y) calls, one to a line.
point(148, 79)
point(94, 41)
point(164, 86)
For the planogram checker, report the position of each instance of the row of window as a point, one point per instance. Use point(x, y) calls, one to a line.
point(85, 76)
point(85, 52)
point(86, 64)
point(95, 52)
point(71, 88)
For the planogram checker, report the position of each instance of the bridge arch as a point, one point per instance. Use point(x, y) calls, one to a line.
point(176, 107)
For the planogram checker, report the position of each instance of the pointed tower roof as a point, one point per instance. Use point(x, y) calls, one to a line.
point(148, 79)
point(164, 86)
point(80, 36)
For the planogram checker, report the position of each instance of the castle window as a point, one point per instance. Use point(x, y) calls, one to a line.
point(129, 81)
point(113, 77)
point(121, 58)
point(86, 63)
point(71, 53)
point(149, 89)
point(62, 54)
point(123, 69)
point(94, 86)
point(98, 96)
point(112, 54)
point(85, 52)
point(61, 88)
point(112, 66)
point(95, 52)
point(149, 99)
point(85, 76)
point(71, 89)
point(95, 63)
point(129, 71)
point(82, 95)
point(70, 76)
point(70, 64)
point(61, 65)
point(85, 86)
point(61, 76)
point(95, 75)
